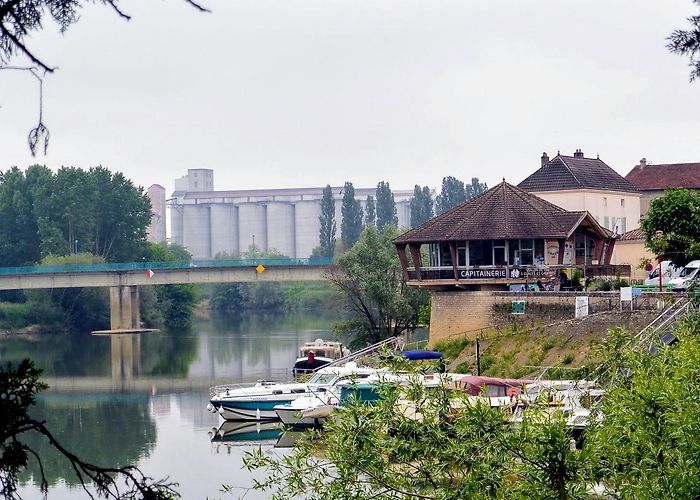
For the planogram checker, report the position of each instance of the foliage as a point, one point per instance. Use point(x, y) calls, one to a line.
point(421, 205)
point(326, 235)
point(677, 215)
point(452, 348)
point(18, 389)
point(687, 43)
point(383, 451)
point(454, 192)
point(71, 211)
point(386, 207)
point(642, 441)
point(451, 194)
point(648, 441)
point(370, 211)
point(475, 188)
point(173, 303)
point(370, 277)
point(351, 209)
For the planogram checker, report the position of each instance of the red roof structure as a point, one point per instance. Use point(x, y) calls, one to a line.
point(664, 176)
point(502, 212)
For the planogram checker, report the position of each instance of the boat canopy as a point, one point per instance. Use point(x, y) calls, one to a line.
point(474, 384)
point(419, 354)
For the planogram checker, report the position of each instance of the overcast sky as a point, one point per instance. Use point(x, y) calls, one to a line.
point(293, 93)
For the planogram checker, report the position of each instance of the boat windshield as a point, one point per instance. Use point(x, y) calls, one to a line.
point(322, 379)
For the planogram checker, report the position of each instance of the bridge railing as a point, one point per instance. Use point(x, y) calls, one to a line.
point(176, 264)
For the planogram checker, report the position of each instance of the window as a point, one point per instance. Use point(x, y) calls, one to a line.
point(499, 253)
point(481, 253)
point(461, 253)
point(606, 222)
point(524, 252)
point(434, 255)
point(623, 225)
point(445, 254)
point(605, 201)
point(622, 202)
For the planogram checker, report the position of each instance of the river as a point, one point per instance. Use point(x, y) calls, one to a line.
point(141, 399)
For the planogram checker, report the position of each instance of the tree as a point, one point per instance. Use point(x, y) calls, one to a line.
point(370, 212)
point(351, 225)
point(687, 43)
point(19, 19)
point(386, 207)
point(475, 188)
point(451, 194)
point(19, 386)
point(371, 278)
point(641, 442)
point(326, 235)
point(677, 216)
point(431, 444)
point(71, 211)
point(421, 205)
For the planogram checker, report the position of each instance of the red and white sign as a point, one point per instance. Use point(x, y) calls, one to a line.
point(149, 273)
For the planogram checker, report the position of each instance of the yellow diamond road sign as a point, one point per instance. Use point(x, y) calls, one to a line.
point(260, 268)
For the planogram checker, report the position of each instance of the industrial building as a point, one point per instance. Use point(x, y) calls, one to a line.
point(209, 222)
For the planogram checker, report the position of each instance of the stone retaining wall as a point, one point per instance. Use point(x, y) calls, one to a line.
point(457, 313)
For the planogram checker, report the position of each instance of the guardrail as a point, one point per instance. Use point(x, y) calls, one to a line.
point(176, 264)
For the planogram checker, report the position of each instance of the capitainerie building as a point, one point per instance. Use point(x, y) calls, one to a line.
point(502, 237)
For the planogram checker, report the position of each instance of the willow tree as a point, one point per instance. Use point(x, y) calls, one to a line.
point(379, 302)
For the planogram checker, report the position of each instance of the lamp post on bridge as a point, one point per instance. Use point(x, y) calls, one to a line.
point(76, 253)
point(253, 247)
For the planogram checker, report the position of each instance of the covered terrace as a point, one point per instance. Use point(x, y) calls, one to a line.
point(505, 236)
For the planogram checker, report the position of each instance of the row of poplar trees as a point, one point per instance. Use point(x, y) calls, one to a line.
point(380, 210)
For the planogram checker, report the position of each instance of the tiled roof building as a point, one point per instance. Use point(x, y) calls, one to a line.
point(575, 172)
point(653, 180)
point(579, 183)
point(503, 236)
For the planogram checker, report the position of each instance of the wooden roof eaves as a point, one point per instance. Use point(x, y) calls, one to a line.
point(587, 215)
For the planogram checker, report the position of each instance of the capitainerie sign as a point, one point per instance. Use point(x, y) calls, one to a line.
point(502, 273)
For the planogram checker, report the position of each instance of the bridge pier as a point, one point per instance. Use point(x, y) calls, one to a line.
point(124, 311)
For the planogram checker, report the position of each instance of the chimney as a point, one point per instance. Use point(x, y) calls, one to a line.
point(642, 163)
point(544, 159)
point(578, 154)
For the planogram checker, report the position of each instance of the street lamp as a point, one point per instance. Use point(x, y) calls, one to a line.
point(253, 247)
point(76, 252)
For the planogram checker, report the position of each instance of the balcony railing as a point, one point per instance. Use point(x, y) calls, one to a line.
point(514, 273)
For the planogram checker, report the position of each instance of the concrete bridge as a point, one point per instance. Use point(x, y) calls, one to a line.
point(123, 279)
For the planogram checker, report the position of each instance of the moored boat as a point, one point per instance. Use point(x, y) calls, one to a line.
point(257, 401)
point(316, 354)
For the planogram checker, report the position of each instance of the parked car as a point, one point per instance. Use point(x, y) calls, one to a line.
point(686, 276)
point(669, 272)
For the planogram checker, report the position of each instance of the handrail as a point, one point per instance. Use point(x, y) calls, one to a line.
point(165, 265)
point(679, 313)
point(390, 343)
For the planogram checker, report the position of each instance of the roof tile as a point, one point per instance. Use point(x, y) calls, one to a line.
point(568, 172)
point(665, 176)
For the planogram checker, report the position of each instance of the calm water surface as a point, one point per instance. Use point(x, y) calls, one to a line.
point(141, 399)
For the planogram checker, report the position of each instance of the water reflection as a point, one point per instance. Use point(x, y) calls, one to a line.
point(239, 432)
point(92, 426)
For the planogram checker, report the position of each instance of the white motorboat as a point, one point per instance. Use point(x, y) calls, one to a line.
point(311, 409)
point(257, 401)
